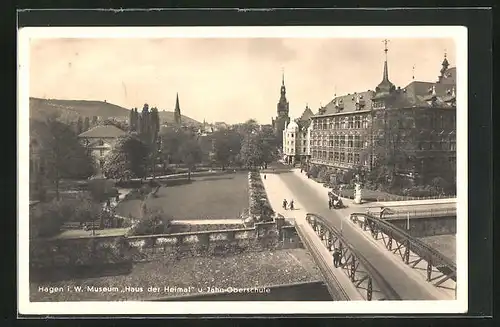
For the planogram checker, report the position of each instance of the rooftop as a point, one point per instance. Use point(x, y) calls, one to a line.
point(106, 131)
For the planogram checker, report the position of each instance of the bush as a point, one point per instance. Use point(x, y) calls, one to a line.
point(313, 171)
point(154, 222)
point(47, 218)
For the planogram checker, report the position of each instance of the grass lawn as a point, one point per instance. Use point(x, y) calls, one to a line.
point(206, 197)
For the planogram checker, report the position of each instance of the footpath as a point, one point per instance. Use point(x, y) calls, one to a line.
point(445, 291)
point(276, 191)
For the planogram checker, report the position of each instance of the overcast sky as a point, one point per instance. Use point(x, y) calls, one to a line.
point(228, 80)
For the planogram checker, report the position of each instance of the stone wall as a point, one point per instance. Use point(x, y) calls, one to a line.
point(112, 249)
point(427, 226)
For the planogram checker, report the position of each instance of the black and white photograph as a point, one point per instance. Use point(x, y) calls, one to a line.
point(232, 169)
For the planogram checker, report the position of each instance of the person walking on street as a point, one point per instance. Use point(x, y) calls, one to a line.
point(336, 257)
point(291, 204)
point(284, 203)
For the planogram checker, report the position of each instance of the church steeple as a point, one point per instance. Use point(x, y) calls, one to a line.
point(177, 111)
point(445, 64)
point(283, 88)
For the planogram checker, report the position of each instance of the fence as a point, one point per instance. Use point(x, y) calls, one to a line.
point(391, 213)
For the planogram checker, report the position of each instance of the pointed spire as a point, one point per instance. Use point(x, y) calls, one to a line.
point(445, 64)
point(177, 110)
point(282, 77)
point(386, 73)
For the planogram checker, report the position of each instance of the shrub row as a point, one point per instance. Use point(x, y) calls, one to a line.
point(259, 206)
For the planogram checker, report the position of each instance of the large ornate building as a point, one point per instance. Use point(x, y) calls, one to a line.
point(296, 139)
point(419, 120)
point(282, 119)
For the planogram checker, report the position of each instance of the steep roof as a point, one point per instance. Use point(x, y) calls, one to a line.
point(106, 131)
point(307, 114)
point(449, 76)
point(348, 103)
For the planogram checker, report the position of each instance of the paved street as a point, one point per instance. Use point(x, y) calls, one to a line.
point(407, 283)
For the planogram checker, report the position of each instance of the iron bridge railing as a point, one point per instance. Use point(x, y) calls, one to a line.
point(404, 244)
point(359, 270)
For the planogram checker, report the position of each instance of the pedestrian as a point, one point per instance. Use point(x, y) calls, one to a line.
point(264, 176)
point(291, 204)
point(330, 204)
point(284, 204)
point(336, 257)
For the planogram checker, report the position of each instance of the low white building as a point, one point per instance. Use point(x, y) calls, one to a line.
point(296, 139)
point(99, 140)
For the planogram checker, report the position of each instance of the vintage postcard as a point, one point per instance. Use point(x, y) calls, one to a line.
point(290, 170)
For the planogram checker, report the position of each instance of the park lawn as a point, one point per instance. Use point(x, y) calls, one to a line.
point(206, 197)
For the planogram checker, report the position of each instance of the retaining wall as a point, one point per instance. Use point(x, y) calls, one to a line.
point(427, 226)
point(118, 249)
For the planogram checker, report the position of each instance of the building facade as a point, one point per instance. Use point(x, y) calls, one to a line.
point(415, 124)
point(296, 139)
point(282, 119)
point(100, 140)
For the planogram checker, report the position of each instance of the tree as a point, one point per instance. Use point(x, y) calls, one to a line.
point(251, 151)
point(226, 146)
point(61, 153)
point(190, 153)
point(391, 147)
point(269, 145)
point(171, 140)
point(86, 124)
point(127, 159)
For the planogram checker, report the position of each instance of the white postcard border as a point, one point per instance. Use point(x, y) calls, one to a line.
point(458, 33)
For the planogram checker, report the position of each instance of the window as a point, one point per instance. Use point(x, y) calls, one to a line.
point(304, 150)
point(350, 141)
point(343, 122)
point(365, 122)
point(337, 140)
point(342, 140)
point(337, 122)
point(349, 158)
point(330, 140)
point(330, 123)
point(292, 134)
point(305, 134)
point(304, 142)
point(330, 155)
point(356, 158)
point(350, 121)
point(342, 157)
point(101, 152)
point(357, 122)
point(336, 156)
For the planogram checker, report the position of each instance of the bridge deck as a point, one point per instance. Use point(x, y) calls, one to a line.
point(310, 196)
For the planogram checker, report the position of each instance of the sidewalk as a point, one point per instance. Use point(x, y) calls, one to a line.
point(320, 188)
point(276, 192)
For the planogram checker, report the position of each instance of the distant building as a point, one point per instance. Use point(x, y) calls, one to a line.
point(282, 119)
point(296, 139)
point(344, 131)
point(100, 140)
